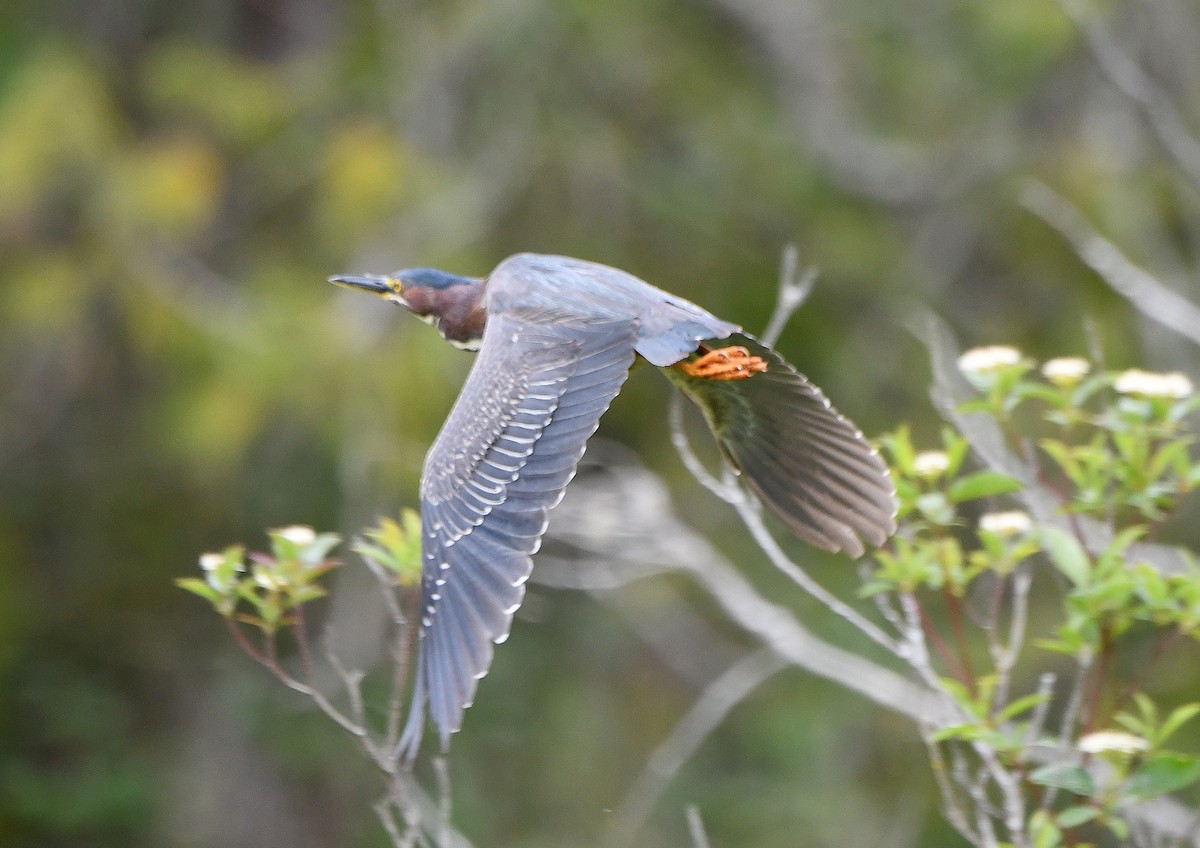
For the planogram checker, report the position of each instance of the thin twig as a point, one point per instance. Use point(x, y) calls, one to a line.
point(933, 637)
point(442, 771)
point(714, 704)
point(401, 645)
point(917, 654)
point(300, 634)
point(983, 815)
point(1070, 717)
point(951, 808)
point(752, 518)
point(1099, 673)
point(1004, 656)
point(794, 289)
point(651, 532)
point(955, 608)
point(1037, 721)
point(725, 490)
point(352, 683)
point(383, 811)
point(1009, 785)
point(268, 660)
point(695, 826)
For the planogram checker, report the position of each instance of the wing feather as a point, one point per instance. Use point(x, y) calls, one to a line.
point(505, 454)
point(797, 453)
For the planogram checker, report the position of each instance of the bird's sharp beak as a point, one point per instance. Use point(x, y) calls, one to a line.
point(373, 283)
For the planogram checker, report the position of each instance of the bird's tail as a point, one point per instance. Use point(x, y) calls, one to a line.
point(806, 461)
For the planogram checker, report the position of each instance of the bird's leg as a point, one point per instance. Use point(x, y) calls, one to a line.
point(727, 363)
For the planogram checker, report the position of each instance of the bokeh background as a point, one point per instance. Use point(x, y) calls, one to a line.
point(178, 178)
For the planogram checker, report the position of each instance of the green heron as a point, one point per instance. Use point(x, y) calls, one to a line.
point(556, 339)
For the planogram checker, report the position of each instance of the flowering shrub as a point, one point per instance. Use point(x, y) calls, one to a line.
point(1108, 465)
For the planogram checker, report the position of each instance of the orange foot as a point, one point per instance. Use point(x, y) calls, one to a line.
point(727, 363)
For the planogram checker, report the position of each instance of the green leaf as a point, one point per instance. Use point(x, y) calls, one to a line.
point(199, 587)
point(1075, 816)
point(1068, 777)
point(982, 484)
point(1162, 773)
point(1113, 556)
point(1178, 717)
point(305, 594)
point(1089, 387)
point(1170, 454)
point(1044, 831)
point(899, 444)
point(313, 554)
point(966, 732)
point(1064, 455)
point(956, 449)
point(1067, 555)
point(1019, 706)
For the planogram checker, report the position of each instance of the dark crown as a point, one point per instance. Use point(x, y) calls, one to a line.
point(429, 278)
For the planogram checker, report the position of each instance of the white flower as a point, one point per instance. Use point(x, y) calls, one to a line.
point(1066, 370)
point(1153, 385)
point(985, 360)
point(1006, 524)
point(211, 562)
point(266, 579)
point(931, 463)
point(297, 534)
point(1112, 740)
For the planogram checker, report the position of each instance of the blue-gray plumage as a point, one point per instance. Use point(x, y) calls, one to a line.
point(556, 339)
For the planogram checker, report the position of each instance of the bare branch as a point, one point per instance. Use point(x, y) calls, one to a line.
point(650, 531)
point(1129, 78)
point(1037, 722)
point(1004, 656)
point(1147, 293)
point(752, 518)
point(442, 770)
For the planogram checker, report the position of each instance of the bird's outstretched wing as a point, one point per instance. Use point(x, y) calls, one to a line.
point(503, 458)
point(805, 460)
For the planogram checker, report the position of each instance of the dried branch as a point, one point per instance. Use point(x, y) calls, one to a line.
point(1149, 295)
point(752, 517)
point(1129, 78)
point(651, 532)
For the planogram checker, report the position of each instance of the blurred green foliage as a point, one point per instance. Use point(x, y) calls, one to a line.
point(176, 181)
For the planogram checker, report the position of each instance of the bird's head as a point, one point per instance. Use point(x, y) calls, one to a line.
point(451, 303)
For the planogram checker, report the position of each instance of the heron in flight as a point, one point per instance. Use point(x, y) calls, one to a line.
point(556, 338)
